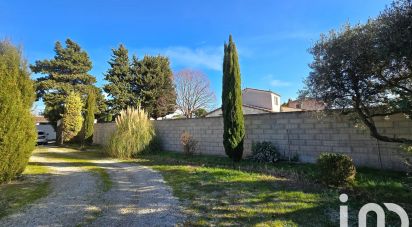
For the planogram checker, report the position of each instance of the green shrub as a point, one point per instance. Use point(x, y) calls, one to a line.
point(88, 126)
point(133, 135)
point(264, 152)
point(336, 169)
point(189, 144)
point(72, 117)
point(17, 128)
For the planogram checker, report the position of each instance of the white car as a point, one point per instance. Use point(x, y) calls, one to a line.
point(42, 137)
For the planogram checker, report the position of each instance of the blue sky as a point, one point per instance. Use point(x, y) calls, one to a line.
point(272, 36)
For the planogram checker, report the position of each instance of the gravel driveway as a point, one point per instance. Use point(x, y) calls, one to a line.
point(138, 197)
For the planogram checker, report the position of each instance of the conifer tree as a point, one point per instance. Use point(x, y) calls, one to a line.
point(120, 87)
point(72, 117)
point(88, 125)
point(233, 122)
point(66, 72)
point(17, 128)
point(154, 83)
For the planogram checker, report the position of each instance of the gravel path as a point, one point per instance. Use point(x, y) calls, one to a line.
point(138, 197)
point(69, 202)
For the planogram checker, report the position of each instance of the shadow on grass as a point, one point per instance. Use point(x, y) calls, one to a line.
point(220, 193)
point(231, 197)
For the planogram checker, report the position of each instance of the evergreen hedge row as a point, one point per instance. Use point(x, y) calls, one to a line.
point(17, 127)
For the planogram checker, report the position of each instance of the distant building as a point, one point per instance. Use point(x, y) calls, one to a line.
point(306, 104)
point(41, 120)
point(255, 101)
point(43, 124)
point(289, 109)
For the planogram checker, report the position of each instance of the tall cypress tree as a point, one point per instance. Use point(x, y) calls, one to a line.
point(120, 86)
point(88, 125)
point(233, 122)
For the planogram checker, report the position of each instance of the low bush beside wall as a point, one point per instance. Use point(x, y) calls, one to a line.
point(336, 169)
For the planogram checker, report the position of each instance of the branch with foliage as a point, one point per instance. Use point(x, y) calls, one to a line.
point(17, 128)
point(234, 127)
point(366, 70)
point(88, 125)
point(66, 72)
point(193, 92)
point(154, 82)
point(72, 119)
point(120, 89)
point(200, 113)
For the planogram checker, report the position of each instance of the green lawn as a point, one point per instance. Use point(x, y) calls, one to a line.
point(24, 191)
point(217, 193)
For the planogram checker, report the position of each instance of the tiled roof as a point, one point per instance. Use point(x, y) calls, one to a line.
point(267, 91)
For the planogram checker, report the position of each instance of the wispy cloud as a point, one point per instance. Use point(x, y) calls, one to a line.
point(275, 82)
point(279, 83)
point(201, 57)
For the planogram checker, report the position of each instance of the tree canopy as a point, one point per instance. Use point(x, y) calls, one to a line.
point(88, 125)
point(200, 113)
point(120, 89)
point(147, 82)
point(17, 127)
point(72, 120)
point(154, 84)
point(366, 70)
point(66, 72)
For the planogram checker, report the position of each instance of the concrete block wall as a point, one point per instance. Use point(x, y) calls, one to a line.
point(102, 132)
point(302, 133)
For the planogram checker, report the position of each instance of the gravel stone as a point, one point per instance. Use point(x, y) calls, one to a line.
point(72, 191)
point(138, 197)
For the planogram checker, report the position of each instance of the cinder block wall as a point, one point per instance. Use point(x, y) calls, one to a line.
point(303, 133)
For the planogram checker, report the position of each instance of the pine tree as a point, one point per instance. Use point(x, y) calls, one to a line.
point(88, 125)
point(233, 122)
point(154, 82)
point(72, 118)
point(120, 87)
point(17, 128)
point(66, 72)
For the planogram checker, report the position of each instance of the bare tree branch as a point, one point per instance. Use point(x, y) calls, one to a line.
point(193, 92)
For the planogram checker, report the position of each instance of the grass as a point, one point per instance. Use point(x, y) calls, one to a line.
point(24, 191)
point(83, 159)
point(106, 182)
point(216, 192)
point(30, 187)
point(35, 169)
